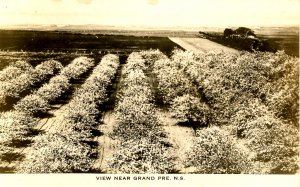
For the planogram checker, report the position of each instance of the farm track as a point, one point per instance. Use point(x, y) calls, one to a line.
point(201, 45)
point(52, 123)
point(180, 137)
point(107, 145)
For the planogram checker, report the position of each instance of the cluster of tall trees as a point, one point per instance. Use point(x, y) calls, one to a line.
point(241, 32)
point(242, 38)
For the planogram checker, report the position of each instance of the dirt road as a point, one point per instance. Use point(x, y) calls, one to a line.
point(181, 139)
point(200, 45)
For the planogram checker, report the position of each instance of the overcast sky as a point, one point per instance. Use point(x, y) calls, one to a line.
point(152, 12)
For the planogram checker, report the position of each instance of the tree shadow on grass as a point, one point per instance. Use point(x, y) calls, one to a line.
point(16, 143)
point(91, 143)
point(96, 132)
point(34, 132)
point(191, 124)
point(43, 115)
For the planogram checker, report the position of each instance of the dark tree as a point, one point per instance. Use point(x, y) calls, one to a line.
point(228, 32)
point(244, 31)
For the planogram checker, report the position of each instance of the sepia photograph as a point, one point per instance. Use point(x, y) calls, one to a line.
point(152, 91)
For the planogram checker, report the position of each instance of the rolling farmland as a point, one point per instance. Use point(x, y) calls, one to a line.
point(127, 104)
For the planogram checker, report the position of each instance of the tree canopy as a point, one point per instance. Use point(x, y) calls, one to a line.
point(242, 31)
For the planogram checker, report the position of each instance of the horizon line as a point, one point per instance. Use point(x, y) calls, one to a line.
point(148, 26)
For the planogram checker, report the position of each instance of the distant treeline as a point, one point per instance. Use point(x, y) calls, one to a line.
point(241, 38)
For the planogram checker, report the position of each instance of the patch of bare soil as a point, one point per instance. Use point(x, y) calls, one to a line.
point(181, 138)
point(107, 145)
point(52, 122)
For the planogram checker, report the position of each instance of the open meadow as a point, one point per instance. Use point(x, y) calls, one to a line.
point(95, 103)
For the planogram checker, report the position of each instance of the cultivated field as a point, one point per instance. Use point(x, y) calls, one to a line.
point(137, 105)
point(200, 45)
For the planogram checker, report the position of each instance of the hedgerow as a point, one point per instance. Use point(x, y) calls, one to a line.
point(17, 123)
point(23, 65)
point(214, 151)
point(275, 144)
point(55, 88)
point(142, 146)
point(32, 104)
point(255, 96)
point(10, 73)
point(142, 157)
point(179, 92)
point(135, 112)
point(65, 150)
point(14, 70)
point(83, 108)
point(283, 95)
point(40, 99)
point(14, 87)
point(14, 125)
point(187, 108)
point(273, 141)
point(45, 69)
point(56, 153)
point(249, 103)
point(229, 81)
point(78, 66)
